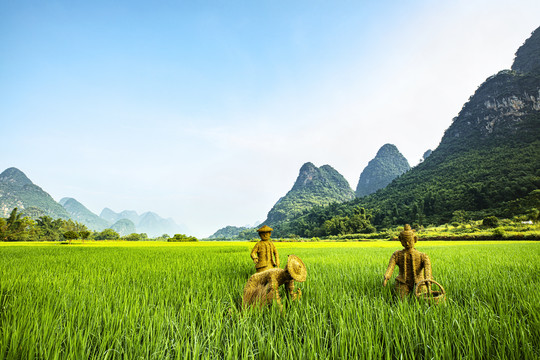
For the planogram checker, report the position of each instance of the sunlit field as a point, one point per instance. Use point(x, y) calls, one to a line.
point(149, 300)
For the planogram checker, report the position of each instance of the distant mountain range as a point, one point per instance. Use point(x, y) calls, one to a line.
point(17, 190)
point(148, 222)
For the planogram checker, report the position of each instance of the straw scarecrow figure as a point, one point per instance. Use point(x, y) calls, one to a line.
point(264, 253)
point(262, 288)
point(414, 266)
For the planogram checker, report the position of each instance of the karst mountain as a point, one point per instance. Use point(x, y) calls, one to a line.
point(314, 186)
point(487, 162)
point(388, 164)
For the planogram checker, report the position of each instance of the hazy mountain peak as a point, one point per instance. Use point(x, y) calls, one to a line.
point(124, 227)
point(150, 214)
point(15, 176)
point(80, 213)
point(109, 215)
point(63, 201)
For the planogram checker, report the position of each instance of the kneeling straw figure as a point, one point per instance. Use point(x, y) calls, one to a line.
point(264, 253)
point(263, 287)
point(414, 266)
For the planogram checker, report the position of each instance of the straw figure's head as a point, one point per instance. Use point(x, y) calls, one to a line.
point(265, 232)
point(296, 268)
point(408, 237)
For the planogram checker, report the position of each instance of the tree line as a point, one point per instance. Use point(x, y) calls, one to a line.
point(17, 227)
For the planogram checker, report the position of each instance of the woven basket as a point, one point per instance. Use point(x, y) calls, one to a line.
point(431, 296)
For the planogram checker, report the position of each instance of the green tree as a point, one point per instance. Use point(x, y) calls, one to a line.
point(15, 227)
point(70, 225)
point(49, 229)
point(459, 216)
point(107, 234)
point(84, 235)
point(490, 221)
point(132, 237)
point(71, 235)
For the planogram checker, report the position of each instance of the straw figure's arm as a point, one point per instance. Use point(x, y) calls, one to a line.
point(390, 268)
point(254, 253)
point(276, 256)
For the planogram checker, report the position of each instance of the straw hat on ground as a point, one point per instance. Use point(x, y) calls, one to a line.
point(296, 268)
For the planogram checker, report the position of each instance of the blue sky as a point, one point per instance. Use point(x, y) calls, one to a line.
point(205, 111)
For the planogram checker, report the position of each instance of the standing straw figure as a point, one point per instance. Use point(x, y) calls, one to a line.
point(263, 287)
point(414, 266)
point(264, 253)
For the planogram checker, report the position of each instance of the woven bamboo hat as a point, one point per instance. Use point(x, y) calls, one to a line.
point(296, 268)
point(264, 229)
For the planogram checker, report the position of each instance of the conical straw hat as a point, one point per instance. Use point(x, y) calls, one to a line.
point(265, 228)
point(296, 268)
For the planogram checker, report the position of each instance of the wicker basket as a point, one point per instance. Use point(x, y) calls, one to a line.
point(431, 296)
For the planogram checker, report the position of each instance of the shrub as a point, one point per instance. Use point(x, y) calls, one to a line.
point(490, 221)
point(498, 232)
point(107, 234)
point(182, 238)
point(133, 237)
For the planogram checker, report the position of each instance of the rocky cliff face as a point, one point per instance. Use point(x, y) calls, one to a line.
point(487, 161)
point(388, 164)
point(504, 108)
point(313, 186)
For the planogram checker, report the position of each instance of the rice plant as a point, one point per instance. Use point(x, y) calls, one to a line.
point(117, 300)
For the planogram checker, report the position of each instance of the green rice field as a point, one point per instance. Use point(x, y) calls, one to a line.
point(148, 300)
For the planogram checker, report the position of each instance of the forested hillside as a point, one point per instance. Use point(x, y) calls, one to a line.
point(487, 163)
point(313, 187)
point(228, 232)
